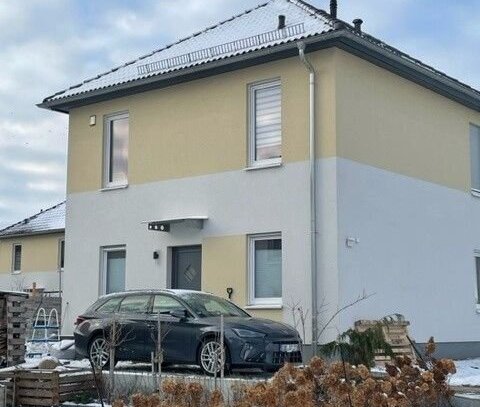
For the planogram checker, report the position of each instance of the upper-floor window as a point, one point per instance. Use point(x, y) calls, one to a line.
point(17, 258)
point(265, 264)
point(115, 167)
point(475, 157)
point(265, 123)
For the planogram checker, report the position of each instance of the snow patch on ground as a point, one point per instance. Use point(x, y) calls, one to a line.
point(468, 373)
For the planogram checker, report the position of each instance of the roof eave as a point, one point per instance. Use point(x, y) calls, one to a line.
point(443, 85)
point(41, 232)
point(343, 39)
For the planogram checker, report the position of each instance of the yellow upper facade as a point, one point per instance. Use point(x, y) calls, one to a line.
point(38, 253)
point(363, 112)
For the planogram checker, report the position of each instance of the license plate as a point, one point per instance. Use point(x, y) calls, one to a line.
point(290, 347)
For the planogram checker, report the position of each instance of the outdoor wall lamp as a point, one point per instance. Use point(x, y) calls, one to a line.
point(352, 241)
point(156, 255)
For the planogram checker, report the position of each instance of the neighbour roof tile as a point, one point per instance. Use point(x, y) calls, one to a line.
point(48, 220)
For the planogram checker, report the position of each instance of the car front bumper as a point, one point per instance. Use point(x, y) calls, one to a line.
point(267, 354)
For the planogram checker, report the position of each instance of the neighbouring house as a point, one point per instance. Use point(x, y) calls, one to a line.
point(281, 157)
point(33, 251)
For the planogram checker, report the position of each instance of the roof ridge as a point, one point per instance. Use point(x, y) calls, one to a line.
point(235, 16)
point(314, 10)
point(42, 211)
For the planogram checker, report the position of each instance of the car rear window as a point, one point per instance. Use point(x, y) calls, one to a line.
point(135, 303)
point(111, 305)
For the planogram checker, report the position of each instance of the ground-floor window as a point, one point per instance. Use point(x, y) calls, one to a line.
point(265, 269)
point(112, 273)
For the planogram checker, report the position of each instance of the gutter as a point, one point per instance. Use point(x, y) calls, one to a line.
point(313, 196)
point(27, 234)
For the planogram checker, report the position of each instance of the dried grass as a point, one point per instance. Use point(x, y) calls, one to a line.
point(320, 384)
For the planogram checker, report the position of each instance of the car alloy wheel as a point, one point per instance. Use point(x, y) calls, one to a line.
point(99, 352)
point(211, 357)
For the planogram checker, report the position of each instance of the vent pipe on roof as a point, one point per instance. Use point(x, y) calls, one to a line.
point(358, 24)
point(333, 8)
point(281, 21)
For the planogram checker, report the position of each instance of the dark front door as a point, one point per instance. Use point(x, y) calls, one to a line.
point(187, 267)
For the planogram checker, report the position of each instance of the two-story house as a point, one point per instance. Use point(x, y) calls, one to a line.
point(32, 251)
point(281, 157)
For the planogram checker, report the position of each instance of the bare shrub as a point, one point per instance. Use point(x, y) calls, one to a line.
point(321, 384)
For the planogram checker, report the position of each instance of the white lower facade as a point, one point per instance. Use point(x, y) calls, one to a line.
point(410, 243)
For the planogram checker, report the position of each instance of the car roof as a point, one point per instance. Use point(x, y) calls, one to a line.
point(153, 291)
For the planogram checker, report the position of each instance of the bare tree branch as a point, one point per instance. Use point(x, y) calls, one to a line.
point(361, 298)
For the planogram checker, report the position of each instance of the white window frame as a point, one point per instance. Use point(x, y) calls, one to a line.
point(107, 120)
point(252, 143)
point(14, 246)
point(261, 302)
point(103, 265)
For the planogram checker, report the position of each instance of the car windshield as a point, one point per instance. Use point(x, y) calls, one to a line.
point(205, 305)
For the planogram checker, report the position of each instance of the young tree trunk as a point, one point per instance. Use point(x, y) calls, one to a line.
point(113, 338)
point(159, 352)
point(222, 349)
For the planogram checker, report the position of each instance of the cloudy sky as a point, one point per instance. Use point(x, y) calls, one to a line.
point(47, 45)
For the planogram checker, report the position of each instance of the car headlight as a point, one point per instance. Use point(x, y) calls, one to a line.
point(245, 333)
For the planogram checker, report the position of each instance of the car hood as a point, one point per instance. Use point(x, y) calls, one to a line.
point(271, 328)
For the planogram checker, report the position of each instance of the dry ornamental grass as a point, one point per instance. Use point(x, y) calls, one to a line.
point(321, 384)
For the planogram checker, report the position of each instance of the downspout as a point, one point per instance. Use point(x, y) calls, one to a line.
point(313, 196)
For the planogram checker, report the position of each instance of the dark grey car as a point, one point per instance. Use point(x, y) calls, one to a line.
point(190, 326)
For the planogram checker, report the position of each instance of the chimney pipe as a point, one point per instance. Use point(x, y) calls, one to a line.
point(281, 21)
point(333, 8)
point(358, 24)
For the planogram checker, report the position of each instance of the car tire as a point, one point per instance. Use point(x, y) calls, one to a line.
point(99, 352)
point(208, 351)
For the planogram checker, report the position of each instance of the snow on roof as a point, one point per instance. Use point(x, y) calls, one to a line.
point(46, 221)
point(253, 30)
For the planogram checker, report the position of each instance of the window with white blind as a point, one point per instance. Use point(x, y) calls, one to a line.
point(265, 269)
point(475, 157)
point(265, 123)
point(115, 167)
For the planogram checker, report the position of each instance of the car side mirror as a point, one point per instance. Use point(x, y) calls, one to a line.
point(179, 314)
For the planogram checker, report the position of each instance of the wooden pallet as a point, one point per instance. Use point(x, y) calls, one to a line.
point(396, 335)
point(38, 387)
point(14, 308)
